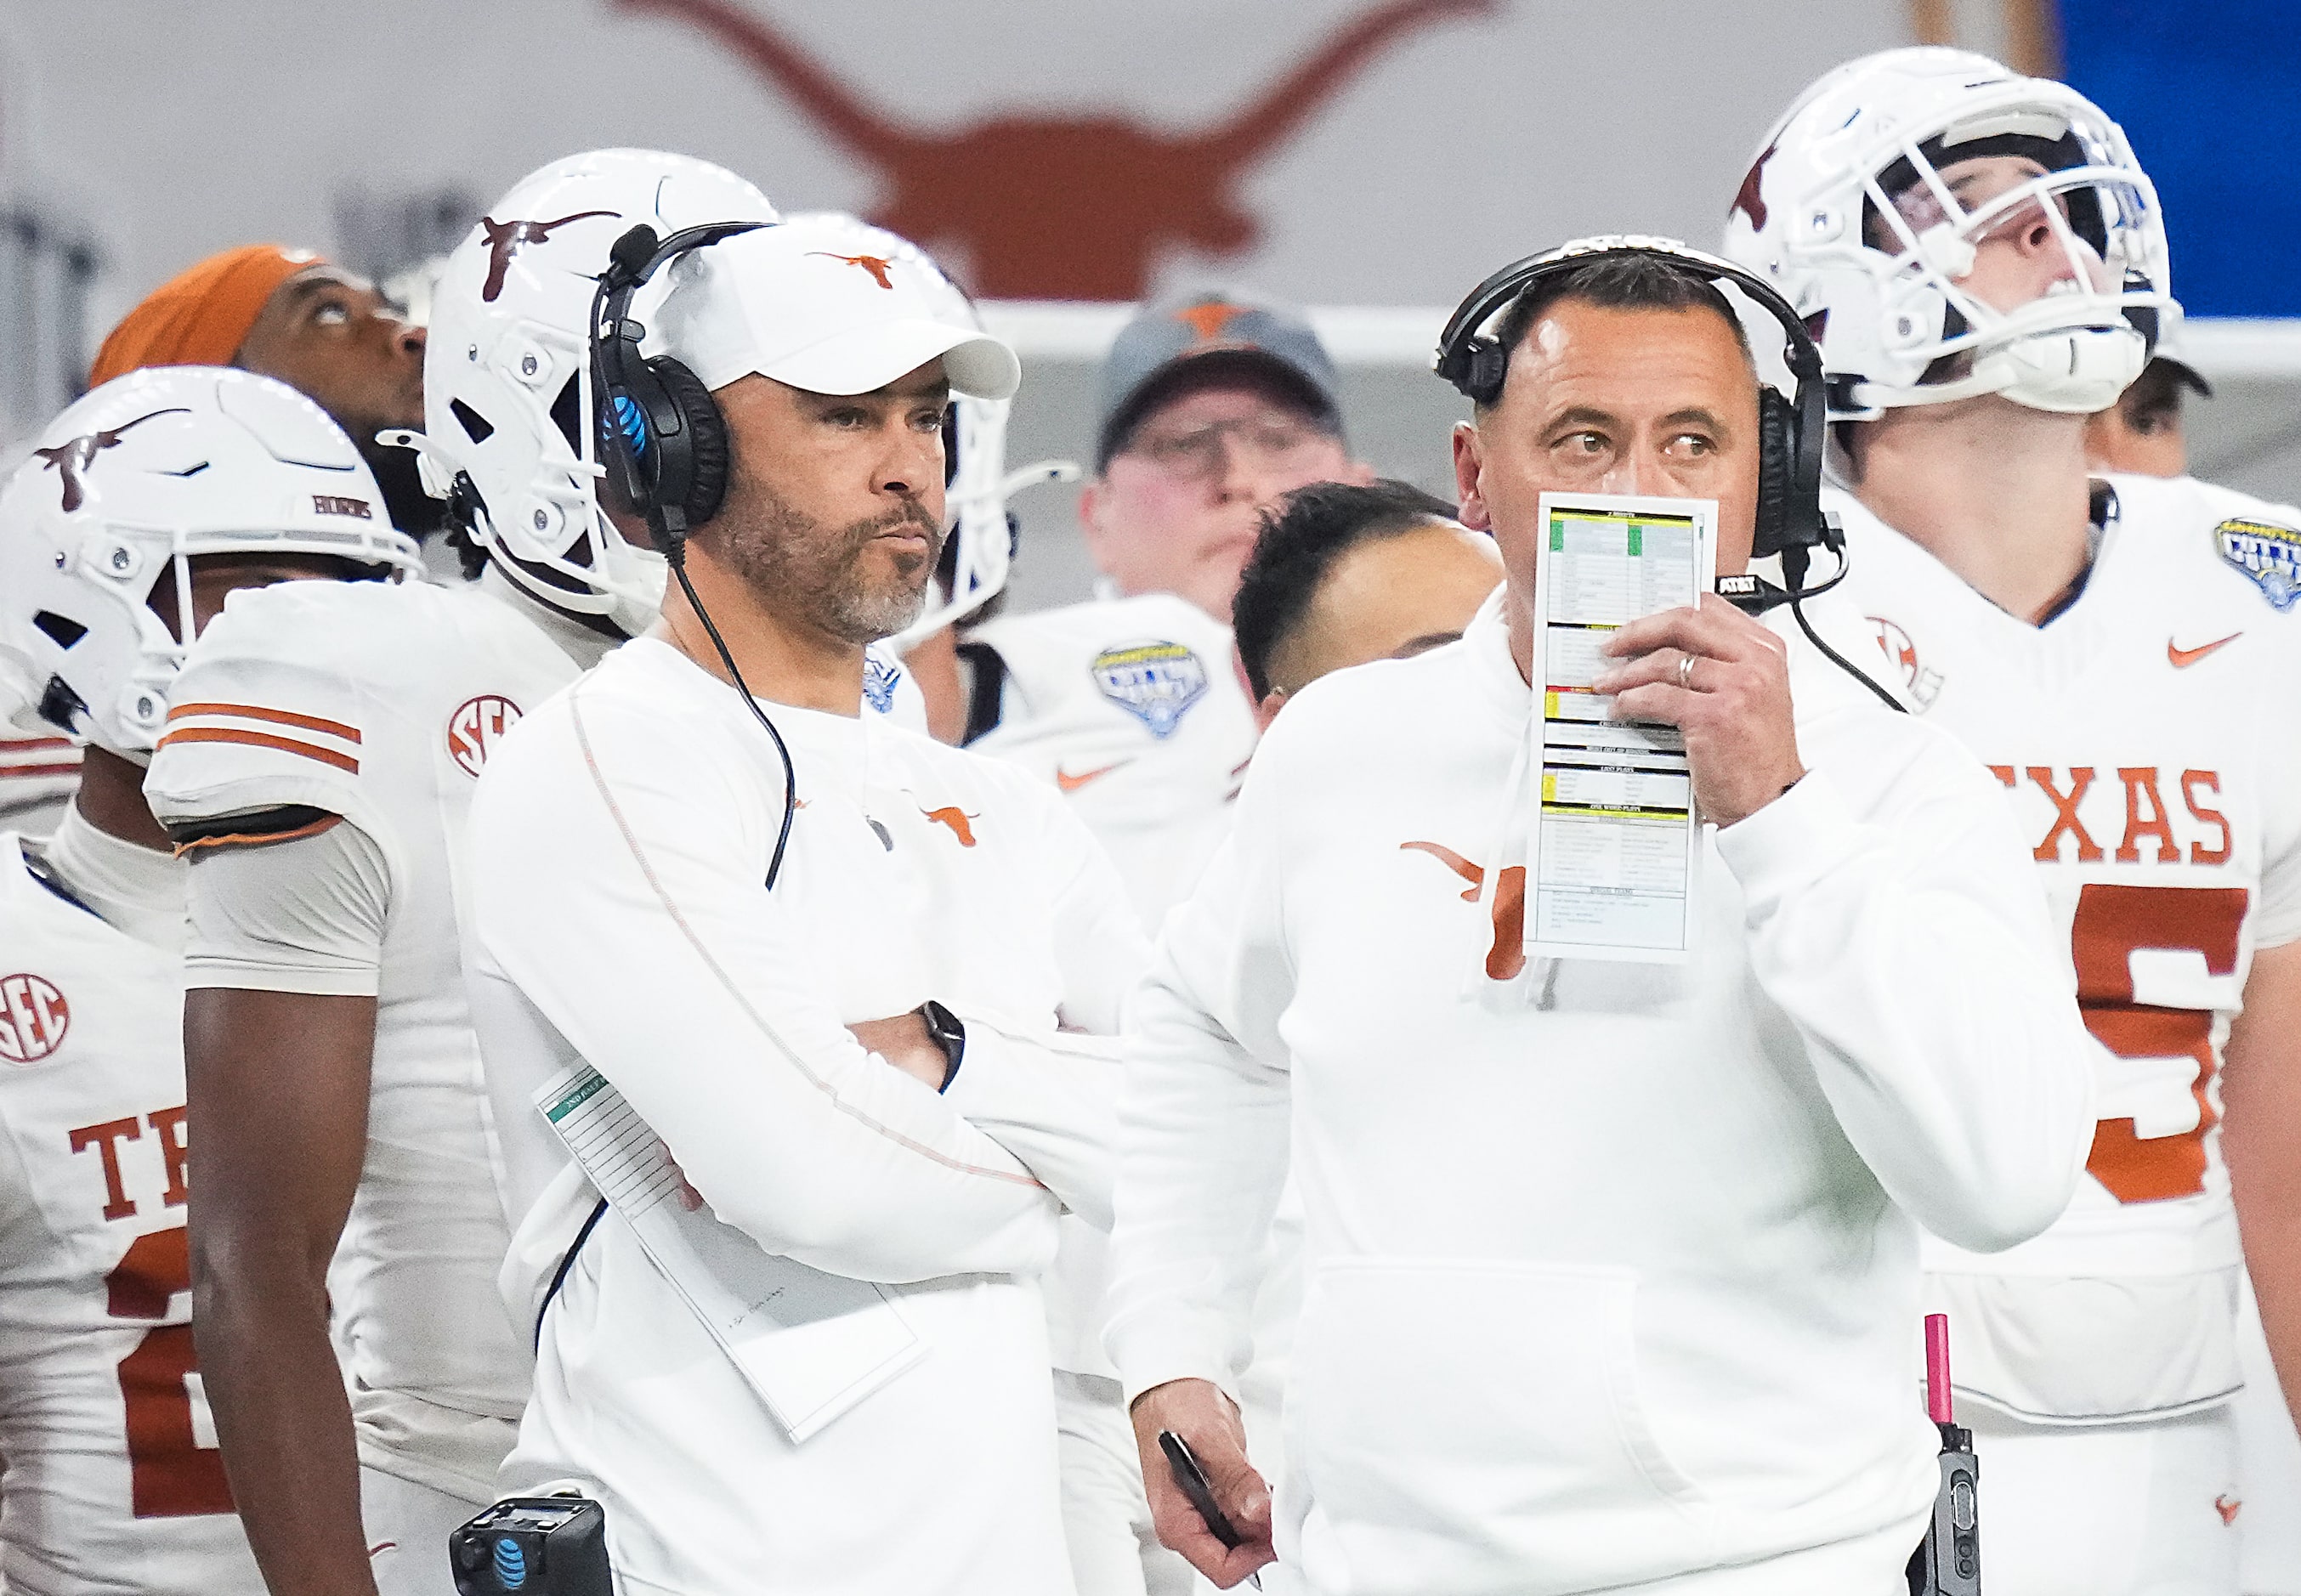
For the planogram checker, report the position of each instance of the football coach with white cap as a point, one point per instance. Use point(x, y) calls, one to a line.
point(839, 969)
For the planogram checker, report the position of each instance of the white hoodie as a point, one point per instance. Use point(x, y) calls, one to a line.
point(1612, 1269)
point(620, 844)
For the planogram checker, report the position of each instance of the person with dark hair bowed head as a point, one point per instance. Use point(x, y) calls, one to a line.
point(1342, 574)
point(1610, 1269)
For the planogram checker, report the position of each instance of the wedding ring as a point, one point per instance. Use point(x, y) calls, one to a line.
point(1686, 671)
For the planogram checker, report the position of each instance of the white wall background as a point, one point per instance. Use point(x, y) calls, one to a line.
point(161, 130)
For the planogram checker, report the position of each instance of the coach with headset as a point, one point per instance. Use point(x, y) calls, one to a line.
point(838, 970)
point(1611, 1267)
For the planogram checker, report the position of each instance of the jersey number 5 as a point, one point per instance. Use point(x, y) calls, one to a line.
point(171, 1474)
point(2111, 923)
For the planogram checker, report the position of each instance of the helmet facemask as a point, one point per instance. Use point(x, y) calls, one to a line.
point(1887, 206)
point(2071, 346)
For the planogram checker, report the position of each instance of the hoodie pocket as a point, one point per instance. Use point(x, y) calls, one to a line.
point(1476, 1426)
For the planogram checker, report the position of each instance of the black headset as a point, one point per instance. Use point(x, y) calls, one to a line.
point(1791, 431)
point(668, 442)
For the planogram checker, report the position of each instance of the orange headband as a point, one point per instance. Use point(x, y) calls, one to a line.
point(202, 315)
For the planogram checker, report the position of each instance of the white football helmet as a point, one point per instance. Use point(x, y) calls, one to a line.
point(507, 394)
point(1819, 200)
point(153, 470)
point(981, 540)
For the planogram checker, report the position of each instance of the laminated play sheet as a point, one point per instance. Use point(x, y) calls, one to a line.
point(1615, 850)
point(812, 1345)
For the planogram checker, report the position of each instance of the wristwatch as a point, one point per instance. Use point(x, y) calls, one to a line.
point(945, 1030)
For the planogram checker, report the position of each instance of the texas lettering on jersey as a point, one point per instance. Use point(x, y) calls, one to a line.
point(2081, 818)
point(174, 1468)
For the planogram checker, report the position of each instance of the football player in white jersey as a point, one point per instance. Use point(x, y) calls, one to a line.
point(329, 1043)
point(38, 771)
point(139, 509)
point(1213, 406)
point(1985, 263)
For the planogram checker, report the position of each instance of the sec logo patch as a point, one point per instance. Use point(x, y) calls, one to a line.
point(476, 727)
point(33, 1019)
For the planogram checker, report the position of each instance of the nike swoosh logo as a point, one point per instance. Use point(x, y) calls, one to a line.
point(1071, 783)
point(2183, 659)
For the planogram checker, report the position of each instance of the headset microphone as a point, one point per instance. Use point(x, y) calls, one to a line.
point(1791, 523)
point(669, 442)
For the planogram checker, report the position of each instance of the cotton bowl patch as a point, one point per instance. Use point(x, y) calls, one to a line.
point(1155, 683)
point(2266, 552)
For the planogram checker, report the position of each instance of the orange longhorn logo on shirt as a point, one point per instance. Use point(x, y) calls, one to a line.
point(957, 819)
point(1507, 958)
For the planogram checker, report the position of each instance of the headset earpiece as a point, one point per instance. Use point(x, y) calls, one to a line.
point(665, 437)
point(1777, 439)
point(706, 431)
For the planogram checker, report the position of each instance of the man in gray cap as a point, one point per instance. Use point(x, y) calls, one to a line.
point(1215, 406)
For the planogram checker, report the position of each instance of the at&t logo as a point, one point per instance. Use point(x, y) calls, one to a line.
point(33, 1018)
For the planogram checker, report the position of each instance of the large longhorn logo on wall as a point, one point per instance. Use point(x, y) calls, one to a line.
point(1073, 207)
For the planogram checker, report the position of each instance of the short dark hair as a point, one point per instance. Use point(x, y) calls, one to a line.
point(2154, 397)
point(1619, 283)
point(1302, 538)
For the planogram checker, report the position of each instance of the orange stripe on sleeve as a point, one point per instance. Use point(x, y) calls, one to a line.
point(261, 739)
point(281, 717)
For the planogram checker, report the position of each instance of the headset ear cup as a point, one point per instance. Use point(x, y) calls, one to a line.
point(1776, 424)
point(706, 437)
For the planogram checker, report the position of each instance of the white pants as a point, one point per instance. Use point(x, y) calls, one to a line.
point(2139, 1510)
point(1106, 1517)
point(2268, 1530)
point(407, 1530)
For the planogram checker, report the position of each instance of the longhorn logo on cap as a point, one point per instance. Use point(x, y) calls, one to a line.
point(76, 455)
point(504, 239)
point(1207, 321)
point(878, 266)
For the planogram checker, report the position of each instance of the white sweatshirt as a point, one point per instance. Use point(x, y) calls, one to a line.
point(1612, 1269)
point(621, 843)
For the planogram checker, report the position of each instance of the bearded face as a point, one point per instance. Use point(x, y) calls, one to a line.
point(857, 581)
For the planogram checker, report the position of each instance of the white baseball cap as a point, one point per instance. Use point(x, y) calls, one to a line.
point(795, 302)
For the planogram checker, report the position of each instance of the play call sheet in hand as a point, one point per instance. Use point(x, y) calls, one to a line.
point(1615, 851)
